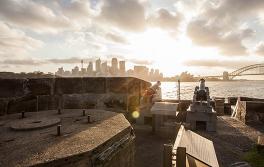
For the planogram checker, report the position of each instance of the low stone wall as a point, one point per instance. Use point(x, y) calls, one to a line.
point(249, 111)
point(122, 93)
point(233, 100)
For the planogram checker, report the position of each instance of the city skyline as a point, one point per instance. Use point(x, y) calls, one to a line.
point(101, 68)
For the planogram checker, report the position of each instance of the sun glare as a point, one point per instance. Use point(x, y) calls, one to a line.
point(168, 51)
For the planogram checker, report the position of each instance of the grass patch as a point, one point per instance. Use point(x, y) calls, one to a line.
point(254, 158)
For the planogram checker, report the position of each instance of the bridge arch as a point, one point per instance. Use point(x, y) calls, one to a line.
point(237, 72)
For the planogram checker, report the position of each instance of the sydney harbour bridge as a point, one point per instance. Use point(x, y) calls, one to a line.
point(255, 69)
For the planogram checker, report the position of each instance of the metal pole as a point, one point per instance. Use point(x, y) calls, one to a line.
point(179, 90)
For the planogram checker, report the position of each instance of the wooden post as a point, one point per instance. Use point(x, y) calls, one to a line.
point(181, 157)
point(153, 123)
point(167, 155)
point(37, 107)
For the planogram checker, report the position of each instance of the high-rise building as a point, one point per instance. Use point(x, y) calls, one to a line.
point(60, 72)
point(98, 66)
point(151, 74)
point(90, 68)
point(122, 67)
point(104, 68)
point(114, 66)
point(141, 71)
point(83, 71)
point(156, 74)
point(75, 71)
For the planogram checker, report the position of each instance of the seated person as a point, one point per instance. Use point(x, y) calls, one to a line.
point(150, 92)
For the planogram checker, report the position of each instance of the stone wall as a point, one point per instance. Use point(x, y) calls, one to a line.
point(233, 100)
point(249, 111)
point(121, 93)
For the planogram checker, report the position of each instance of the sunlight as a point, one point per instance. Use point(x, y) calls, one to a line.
point(174, 50)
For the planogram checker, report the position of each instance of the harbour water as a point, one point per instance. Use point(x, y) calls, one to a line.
point(217, 89)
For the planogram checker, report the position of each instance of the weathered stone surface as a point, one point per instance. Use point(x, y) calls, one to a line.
point(249, 111)
point(68, 86)
point(34, 123)
point(52, 93)
point(94, 85)
point(41, 86)
point(48, 102)
point(12, 87)
point(25, 103)
point(107, 141)
point(209, 118)
point(3, 106)
point(117, 86)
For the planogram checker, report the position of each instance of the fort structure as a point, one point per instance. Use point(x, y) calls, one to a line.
point(68, 121)
point(73, 137)
point(249, 110)
point(30, 95)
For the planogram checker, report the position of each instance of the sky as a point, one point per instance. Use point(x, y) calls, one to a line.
point(204, 37)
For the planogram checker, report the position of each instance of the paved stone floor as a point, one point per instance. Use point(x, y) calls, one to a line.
point(232, 139)
point(149, 147)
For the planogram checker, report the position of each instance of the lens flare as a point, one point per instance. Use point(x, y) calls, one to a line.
point(135, 114)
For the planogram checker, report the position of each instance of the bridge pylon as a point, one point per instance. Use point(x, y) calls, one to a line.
point(225, 76)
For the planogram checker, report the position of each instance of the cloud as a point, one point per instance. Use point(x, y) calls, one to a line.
point(32, 15)
point(27, 62)
point(229, 43)
point(131, 60)
point(165, 20)
point(232, 11)
point(225, 25)
point(140, 62)
point(260, 49)
point(76, 9)
point(72, 60)
point(14, 41)
point(125, 14)
point(231, 64)
point(116, 38)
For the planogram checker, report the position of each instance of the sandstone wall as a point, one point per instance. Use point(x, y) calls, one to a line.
point(250, 111)
point(121, 93)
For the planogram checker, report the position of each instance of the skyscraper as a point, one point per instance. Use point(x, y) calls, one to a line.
point(75, 71)
point(104, 68)
point(141, 71)
point(60, 72)
point(114, 66)
point(90, 68)
point(122, 67)
point(98, 66)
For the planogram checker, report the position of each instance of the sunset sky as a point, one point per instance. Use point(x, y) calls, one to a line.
point(200, 36)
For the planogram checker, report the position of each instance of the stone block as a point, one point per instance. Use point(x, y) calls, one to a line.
point(94, 85)
point(48, 102)
point(220, 110)
point(41, 86)
point(3, 106)
point(68, 86)
point(117, 84)
point(12, 87)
